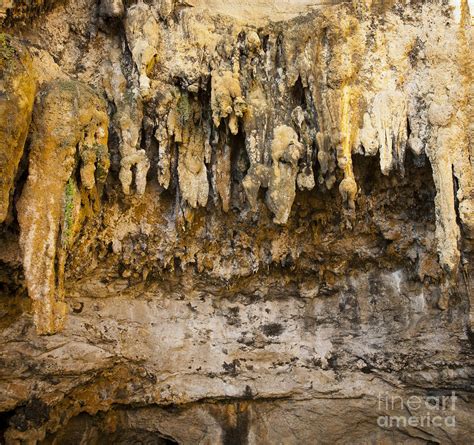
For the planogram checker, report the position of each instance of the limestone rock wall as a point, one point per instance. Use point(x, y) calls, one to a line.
point(236, 223)
point(70, 122)
point(18, 88)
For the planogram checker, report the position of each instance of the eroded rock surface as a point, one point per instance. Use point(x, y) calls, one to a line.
point(17, 95)
point(238, 222)
point(69, 122)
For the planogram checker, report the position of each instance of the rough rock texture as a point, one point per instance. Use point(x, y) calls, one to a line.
point(69, 121)
point(17, 95)
point(238, 222)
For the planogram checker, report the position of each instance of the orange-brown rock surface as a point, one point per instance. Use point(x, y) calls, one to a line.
point(70, 126)
point(235, 222)
point(17, 95)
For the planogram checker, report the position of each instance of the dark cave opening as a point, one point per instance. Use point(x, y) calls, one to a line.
point(94, 430)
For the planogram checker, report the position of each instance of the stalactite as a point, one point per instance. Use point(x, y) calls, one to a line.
point(143, 38)
point(301, 109)
point(386, 130)
point(352, 111)
point(278, 230)
point(226, 99)
point(68, 115)
point(128, 118)
point(286, 152)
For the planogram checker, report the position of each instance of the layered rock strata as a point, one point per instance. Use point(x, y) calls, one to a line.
point(235, 223)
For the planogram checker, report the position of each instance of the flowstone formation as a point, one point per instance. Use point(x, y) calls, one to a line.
point(17, 89)
point(69, 127)
point(236, 222)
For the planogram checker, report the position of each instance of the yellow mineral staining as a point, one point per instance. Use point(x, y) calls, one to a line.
point(68, 115)
point(334, 81)
point(348, 186)
point(17, 93)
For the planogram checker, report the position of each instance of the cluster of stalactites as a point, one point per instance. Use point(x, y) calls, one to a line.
point(353, 110)
point(418, 100)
